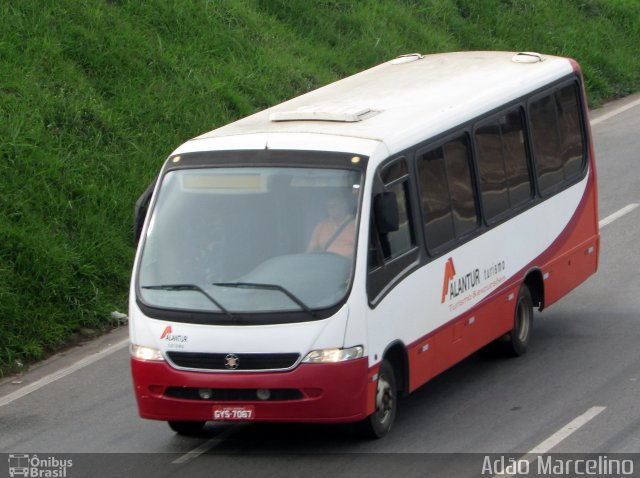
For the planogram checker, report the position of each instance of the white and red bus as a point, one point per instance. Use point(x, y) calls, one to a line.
point(317, 260)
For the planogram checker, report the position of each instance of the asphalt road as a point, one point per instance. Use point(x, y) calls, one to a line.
point(577, 390)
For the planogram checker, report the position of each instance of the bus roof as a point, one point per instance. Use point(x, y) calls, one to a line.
point(405, 100)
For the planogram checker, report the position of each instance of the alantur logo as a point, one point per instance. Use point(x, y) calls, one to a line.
point(169, 336)
point(166, 332)
point(449, 274)
point(456, 285)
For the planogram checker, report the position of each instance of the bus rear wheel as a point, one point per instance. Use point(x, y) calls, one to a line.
point(187, 428)
point(520, 335)
point(379, 423)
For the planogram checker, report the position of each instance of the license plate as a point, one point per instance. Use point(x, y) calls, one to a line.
point(234, 414)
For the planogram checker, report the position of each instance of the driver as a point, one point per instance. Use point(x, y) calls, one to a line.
point(337, 232)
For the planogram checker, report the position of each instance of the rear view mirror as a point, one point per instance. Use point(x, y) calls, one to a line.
point(140, 211)
point(385, 210)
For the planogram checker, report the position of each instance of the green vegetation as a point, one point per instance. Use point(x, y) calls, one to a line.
point(94, 94)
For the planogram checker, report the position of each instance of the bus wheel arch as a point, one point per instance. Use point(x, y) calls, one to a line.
point(392, 381)
point(535, 284)
point(379, 423)
point(396, 354)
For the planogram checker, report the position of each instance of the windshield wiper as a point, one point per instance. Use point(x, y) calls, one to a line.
point(255, 285)
point(191, 287)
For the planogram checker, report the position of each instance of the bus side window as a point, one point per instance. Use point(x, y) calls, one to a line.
point(546, 144)
point(502, 164)
point(557, 137)
point(447, 192)
point(386, 247)
point(569, 127)
point(392, 254)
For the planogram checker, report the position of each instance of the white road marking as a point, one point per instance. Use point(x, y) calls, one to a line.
point(207, 446)
point(615, 112)
point(567, 430)
point(618, 214)
point(562, 434)
point(46, 380)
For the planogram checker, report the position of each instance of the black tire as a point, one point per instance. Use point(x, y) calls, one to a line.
point(379, 423)
point(520, 335)
point(187, 428)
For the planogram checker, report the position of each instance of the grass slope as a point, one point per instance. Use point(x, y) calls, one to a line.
point(94, 95)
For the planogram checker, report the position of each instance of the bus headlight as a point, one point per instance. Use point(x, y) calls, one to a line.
point(145, 353)
point(334, 355)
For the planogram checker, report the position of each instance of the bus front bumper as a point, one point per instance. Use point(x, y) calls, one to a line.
point(327, 393)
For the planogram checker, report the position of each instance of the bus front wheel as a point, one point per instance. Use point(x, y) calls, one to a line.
point(187, 428)
point(379, 423)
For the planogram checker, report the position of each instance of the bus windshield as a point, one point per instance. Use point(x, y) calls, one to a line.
point(238, 240)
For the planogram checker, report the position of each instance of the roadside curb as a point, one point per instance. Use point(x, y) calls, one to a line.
point(68, 360)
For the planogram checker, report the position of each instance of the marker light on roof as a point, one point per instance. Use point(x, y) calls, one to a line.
point(344, 113)
point(527, 57)
point(408, 58)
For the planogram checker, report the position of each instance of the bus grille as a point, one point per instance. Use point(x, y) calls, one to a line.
point(233, 362)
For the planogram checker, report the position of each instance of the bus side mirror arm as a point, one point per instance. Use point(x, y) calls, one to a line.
point(140, 210)
point(385, 210)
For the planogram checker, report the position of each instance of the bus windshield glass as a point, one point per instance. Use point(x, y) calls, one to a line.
point(236, 240)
